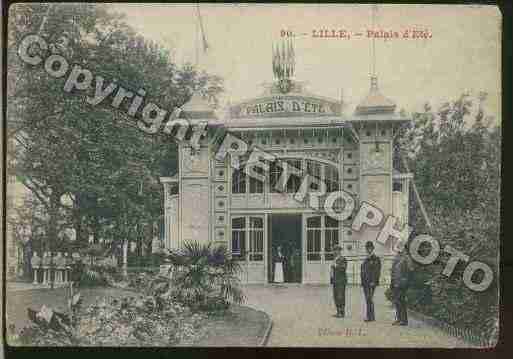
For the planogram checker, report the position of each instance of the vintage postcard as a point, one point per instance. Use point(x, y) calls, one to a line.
point(292, 175)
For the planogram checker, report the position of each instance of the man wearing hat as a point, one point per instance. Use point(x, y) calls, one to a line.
point(399, 281)
point(370, 272)
point(339, 280)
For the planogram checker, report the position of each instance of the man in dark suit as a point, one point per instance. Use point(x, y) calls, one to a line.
point(370, 272)
point(399, 281)
point(339, 280)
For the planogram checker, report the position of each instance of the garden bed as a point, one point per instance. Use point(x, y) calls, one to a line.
point(199, 305)
point(238, 326)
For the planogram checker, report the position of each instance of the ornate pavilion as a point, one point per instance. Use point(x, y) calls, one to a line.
point(210, 201)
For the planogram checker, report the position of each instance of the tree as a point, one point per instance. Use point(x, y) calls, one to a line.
point(26, 223)
point(94, 156)
point(454, 154)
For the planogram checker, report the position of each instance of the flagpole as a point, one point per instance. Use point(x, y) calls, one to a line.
point(200, 34)
point(374, 10)
point(202, 29)
point(45, 18)
point(196, 54)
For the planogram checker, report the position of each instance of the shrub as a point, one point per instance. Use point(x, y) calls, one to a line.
point(86, 275)
point(205, 277)
point(448, 299)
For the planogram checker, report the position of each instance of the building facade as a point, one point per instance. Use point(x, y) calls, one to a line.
point(208, 200)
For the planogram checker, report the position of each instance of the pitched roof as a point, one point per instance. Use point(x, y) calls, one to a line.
point(375, 102)
point(197, 108)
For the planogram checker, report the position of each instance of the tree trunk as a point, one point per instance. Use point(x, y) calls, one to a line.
point(53, 212)
point(125, 257)
point(78, 226)
point(27, 256)
point(138, 251)
point(96, 229)
point(150, 235)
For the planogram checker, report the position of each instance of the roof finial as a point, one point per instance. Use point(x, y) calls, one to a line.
point(375, 102)
point(283, 60)
point(374, 83)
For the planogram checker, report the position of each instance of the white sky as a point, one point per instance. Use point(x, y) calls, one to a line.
point(463, 53)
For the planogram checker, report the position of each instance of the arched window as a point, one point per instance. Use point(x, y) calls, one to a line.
point(332, 180)
point(314, 170)
point(255, 185)
point(294, 181)
point(239, 181)
point(275, 173)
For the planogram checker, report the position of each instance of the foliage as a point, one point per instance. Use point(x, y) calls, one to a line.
point(89, 275)
point(96, 157)
point(141, 282)
point(449, 299)
point(148, 260)
point(205, 277)
point(454, 154)
point(89, 270)
point(131, 321)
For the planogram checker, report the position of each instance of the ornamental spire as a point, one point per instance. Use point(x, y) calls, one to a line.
point(284, 63)
point(283, 60)
point(375, 102)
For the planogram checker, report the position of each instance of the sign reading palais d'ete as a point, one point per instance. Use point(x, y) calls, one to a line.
point(287, 106)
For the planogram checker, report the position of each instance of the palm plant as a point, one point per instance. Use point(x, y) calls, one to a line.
point(205, 276)
point(91, 273)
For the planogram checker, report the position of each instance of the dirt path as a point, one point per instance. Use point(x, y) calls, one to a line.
point(303, 316)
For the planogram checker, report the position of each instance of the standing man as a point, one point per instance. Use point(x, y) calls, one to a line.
point(339, 280)
point(399, 278)
point(370, 272)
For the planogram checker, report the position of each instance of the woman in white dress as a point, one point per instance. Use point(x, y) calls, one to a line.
point(278, 266)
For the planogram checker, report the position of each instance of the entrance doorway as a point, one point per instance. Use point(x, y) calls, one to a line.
point(285, 231)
